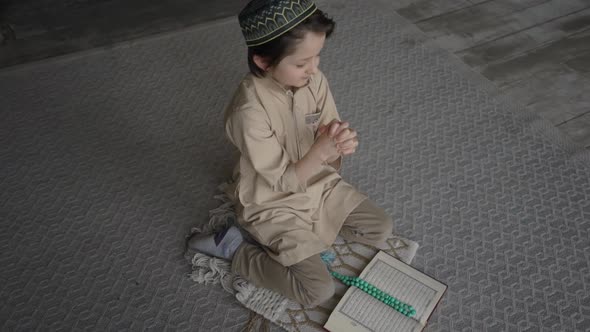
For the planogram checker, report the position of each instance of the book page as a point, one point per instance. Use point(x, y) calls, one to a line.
point(358, 311)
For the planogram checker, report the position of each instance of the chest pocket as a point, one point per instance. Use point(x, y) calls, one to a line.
point(312, 121)
point(307, 135)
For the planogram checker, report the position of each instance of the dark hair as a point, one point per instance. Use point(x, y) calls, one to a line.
point(277, 49)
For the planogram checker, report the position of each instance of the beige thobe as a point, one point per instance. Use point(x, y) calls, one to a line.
point(272, 129)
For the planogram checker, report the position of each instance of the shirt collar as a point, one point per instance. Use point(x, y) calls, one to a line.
point(278, 89)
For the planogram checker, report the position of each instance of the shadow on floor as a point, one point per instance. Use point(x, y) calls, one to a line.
point(34, 30)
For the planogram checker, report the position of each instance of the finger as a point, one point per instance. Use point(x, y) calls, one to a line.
point(352, 143)
point(342, 135)
point(327, 125)
point(333, 129)
point(349, 150)
point(321, 130)
point(343, 125)
point(331, 123)
point(346, 135)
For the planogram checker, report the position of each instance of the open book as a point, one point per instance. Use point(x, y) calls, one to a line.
point(358, 311)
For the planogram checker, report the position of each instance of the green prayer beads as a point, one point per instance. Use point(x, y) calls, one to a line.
point(403, 308)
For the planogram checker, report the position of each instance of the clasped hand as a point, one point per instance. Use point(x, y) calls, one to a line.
point(337, 138)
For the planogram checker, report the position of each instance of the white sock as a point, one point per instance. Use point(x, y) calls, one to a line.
point(222, 244)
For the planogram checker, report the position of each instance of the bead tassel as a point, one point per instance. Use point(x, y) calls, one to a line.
point(403, 308)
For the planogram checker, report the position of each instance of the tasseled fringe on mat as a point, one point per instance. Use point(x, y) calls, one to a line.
point(220, 217)
point(212, 270)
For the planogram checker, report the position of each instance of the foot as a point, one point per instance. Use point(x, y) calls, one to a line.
point(222, 244)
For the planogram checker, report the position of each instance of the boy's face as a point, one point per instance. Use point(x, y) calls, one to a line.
point(296, 69)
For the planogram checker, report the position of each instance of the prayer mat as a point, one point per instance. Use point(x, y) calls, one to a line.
point(348, 258)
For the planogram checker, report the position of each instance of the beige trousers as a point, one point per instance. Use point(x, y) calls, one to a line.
point(309, 282)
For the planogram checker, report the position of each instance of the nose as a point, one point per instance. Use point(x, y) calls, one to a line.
point(314, 66)
point(314, 70)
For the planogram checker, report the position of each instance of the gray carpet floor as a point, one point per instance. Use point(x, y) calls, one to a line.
point(109, 157)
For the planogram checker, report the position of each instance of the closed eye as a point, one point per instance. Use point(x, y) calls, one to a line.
point(307, 60)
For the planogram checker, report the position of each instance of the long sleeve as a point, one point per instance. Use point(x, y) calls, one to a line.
point(250, 131)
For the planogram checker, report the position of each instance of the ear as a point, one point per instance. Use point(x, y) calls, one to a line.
point(261, 62)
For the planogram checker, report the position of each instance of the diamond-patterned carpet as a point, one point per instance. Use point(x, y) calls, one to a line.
point(107, 158)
